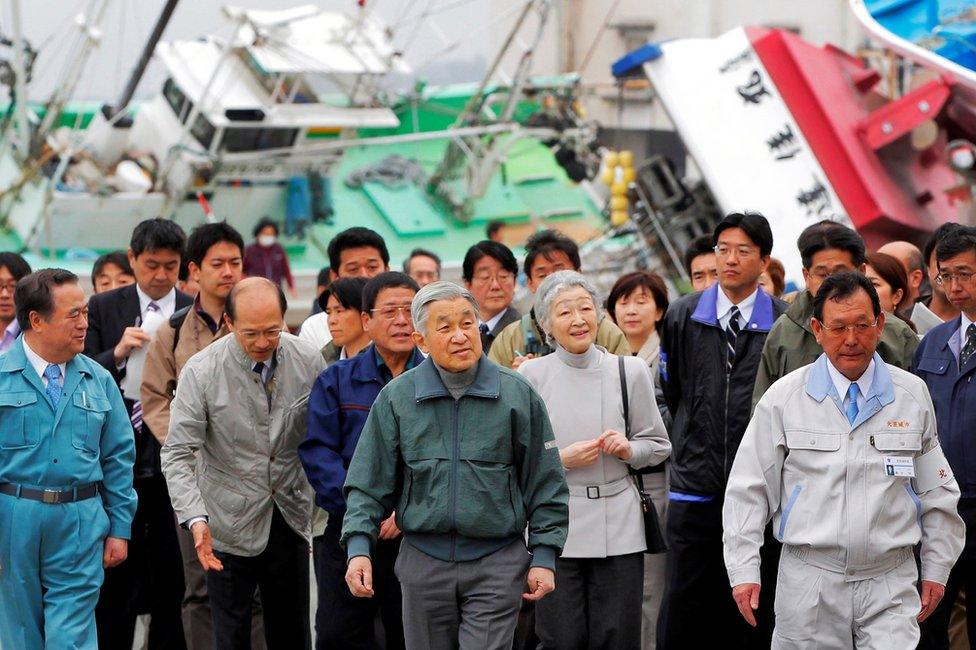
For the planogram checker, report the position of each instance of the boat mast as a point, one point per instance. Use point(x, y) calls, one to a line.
point(22, 129)
point(140, 69)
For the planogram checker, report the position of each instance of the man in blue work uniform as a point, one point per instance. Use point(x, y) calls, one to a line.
point(66, 455)
point(946, 361)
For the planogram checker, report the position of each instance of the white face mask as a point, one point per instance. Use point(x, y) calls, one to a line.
point(266, 240)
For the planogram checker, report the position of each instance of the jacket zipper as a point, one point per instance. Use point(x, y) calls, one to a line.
point(455, 460)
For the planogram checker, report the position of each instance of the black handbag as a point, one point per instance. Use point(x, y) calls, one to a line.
point(652, 525)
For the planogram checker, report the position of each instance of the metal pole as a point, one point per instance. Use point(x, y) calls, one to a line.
point(20, 85)
point(147, 53)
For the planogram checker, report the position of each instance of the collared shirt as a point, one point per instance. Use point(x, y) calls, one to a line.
point(167, 304)
point(204, 316)
point(385, 373)
point(267, 371)
point(723, 306)
point(493, 321)
point(9, 335)
point(40, 365)
point(958, 339)
point(865, 382)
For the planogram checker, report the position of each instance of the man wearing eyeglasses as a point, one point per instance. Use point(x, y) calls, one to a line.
point(240, 406)
point(489, 270)
point(337, 410)
point(844, 456)
point(826, 248)
point(946, 361)
point(13, 267)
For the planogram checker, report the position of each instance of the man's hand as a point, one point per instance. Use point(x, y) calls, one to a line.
point(540, 581)
point(132, 338)
point(932, 593)
point(116, 550)
point(359, 576)
point(388, 529)
point(580, 454)
point(614, 443)
point(519, 360)
point(204, 545)
point(746, 598)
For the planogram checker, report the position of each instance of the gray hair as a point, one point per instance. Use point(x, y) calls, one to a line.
point(551, 287)
point(434, 292)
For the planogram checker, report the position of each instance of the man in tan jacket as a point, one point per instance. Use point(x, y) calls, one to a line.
point(214, 253)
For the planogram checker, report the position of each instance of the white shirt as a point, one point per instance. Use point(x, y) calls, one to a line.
point(315, 330)
point(723, 306)
point(958, 340)
point(40, 365)
point(493, 321)
point(843, 384)
point(166, 304)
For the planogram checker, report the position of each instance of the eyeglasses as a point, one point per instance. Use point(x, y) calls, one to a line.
point(272, 334)
point(501, 277)
point(961, 277)
point(391, 312)
point(741, 251)
point(8, 286)
point(841, 330)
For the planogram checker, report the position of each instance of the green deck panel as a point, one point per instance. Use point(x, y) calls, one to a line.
point(406, 208)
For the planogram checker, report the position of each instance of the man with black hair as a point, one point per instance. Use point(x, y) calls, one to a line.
point(232, 468)
point(945, 360)
point(152, 578)
point(546, 252)
point(13, 267)
point(494, 229)
point(214, 256)
point(423, 266)
point(844, 456)
point(489, 270)
point(825, 248)
point(358, 251)
point(337, 410)
point(322, 281)
point(938, 304)
point(111, 271)
point(66, 453)
point(700, 262)
point(710, 347)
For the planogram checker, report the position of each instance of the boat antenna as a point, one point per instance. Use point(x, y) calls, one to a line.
point(130, 88)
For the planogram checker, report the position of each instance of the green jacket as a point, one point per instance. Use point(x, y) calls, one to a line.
point(792, 345)
point(476, 468)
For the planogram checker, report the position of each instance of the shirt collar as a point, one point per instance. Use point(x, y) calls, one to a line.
point(842, 383)
point(493, 321)
point(39, 364)
point(10, 335)
point(964, 324)
point(723, 305)
point(204, 316)
point(167, 304)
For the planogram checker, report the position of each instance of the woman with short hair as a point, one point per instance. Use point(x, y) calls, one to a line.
point(597, 603)
point(890, 280)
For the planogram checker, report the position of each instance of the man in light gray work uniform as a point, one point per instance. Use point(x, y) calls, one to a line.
point(843, 455)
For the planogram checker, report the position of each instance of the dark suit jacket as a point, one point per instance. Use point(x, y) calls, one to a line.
point(510, 316)
point(109, 314)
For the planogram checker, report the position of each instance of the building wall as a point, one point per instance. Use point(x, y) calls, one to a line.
point(573, 27)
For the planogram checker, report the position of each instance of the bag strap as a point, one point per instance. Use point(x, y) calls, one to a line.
point(623, 394)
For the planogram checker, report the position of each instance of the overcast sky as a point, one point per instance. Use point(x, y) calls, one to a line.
point(126, 24)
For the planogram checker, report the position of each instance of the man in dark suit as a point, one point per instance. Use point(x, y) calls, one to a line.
point(151, 580)
point(489, 270)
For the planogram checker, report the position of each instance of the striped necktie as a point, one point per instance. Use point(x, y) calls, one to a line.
point(136, 417)
point(731, 334)
point(970, 347)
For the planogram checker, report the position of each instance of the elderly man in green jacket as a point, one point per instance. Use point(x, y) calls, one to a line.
point(826, 248)
point(462, 451)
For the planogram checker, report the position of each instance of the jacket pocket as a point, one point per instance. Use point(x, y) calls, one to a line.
point(224, 507)
point(485, 503)
point(812, 440)
point(425, 507)
point(17, 429)
point(95, 410)
point(934, 365)
point(908, 441)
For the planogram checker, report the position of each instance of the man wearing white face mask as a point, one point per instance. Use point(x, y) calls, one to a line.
point(266, 258)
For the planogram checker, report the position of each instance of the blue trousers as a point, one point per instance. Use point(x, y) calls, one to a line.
point(50, 573)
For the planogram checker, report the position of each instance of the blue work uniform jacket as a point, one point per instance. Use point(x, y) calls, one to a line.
point(337, 409)
point(954, 396)
point(87, 439)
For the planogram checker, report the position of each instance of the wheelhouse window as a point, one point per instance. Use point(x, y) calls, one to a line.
point(237, 140)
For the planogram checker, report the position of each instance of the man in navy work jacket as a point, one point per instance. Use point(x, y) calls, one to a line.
point(946, 361)
point(711, 344)
point(66, 455)
point(337, 410)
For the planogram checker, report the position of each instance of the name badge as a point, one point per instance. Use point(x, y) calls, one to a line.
point(899, 466)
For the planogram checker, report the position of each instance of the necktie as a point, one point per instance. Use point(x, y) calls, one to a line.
point(731, 334)
point(970, 347)
point(259, 369)
point(852, 409)
point(136, 417)
point(485, 336)
point(53, 390)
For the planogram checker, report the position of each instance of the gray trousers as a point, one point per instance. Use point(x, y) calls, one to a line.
point(818, 608)
point(461, 605)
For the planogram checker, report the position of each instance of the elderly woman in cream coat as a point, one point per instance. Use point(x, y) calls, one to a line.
point(597, 602)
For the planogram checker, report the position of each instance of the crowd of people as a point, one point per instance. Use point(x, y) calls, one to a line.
point(737, 466)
